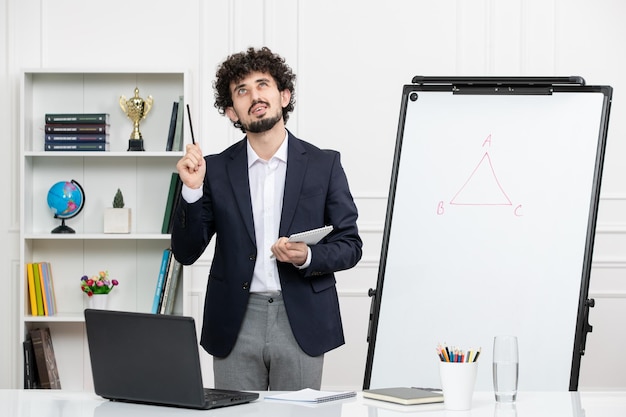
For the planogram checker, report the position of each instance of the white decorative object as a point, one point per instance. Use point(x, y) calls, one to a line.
point(99, 301)
point(116, 220)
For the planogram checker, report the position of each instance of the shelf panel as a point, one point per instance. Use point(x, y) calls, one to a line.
point(96, 236)
point(57, 318)
point(106, 154)
point(105, 73)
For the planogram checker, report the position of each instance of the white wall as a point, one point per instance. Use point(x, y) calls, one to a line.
point(351, 58)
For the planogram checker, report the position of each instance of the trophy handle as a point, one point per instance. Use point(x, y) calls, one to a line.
point(123, 104)
point(147, 106)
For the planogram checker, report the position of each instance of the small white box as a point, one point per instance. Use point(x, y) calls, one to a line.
point(116, 220)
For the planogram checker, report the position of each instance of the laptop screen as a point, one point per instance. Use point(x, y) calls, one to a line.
point(145, 358)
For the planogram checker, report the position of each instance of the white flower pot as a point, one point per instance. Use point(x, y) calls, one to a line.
point(116, 220)
point(99, 301)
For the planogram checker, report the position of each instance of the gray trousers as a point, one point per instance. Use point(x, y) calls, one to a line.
point(266, 355)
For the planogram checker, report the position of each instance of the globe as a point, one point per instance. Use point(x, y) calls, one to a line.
point(65, 199)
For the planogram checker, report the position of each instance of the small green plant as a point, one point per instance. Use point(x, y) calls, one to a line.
point(118, 200)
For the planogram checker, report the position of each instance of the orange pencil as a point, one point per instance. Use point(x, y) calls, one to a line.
point(445, 354)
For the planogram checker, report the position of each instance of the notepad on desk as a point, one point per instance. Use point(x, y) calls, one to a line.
point(309, 395)
point(404, 395)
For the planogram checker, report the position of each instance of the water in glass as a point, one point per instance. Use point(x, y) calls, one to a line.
point(505, 380)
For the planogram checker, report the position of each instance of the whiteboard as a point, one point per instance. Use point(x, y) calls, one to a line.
point(489, 231)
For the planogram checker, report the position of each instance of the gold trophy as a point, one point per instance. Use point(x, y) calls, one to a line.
point(136, 109)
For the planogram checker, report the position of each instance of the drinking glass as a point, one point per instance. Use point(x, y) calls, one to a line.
point(505, 368)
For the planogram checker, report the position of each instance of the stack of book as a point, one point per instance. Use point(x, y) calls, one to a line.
point(77, 132)
point(40, 366)
point(40, 289)
point(167, 284)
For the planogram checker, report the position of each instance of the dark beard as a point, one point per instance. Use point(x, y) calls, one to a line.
point(263, 125)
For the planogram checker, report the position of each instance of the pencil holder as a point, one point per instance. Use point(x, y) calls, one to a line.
point(457, 381)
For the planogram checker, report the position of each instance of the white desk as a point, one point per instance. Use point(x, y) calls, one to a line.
point(52, 403)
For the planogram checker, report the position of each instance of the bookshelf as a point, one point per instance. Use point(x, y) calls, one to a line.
point(143, 177)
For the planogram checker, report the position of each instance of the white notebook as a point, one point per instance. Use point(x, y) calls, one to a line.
point(309, 395)
point(311, 237)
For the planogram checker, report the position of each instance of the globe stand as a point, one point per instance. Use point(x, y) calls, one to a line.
point(63, 228)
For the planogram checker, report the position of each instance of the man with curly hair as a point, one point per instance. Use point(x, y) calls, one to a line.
point(271, 309)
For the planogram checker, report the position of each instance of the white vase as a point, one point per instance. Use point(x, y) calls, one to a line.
point(99, 301)
point(116, 220)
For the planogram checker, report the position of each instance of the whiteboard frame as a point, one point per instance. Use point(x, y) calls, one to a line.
point(497, 86)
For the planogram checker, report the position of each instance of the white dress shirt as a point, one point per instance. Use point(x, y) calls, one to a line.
point(267, 188)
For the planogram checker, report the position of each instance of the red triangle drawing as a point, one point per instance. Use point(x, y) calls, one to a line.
point(482, 188)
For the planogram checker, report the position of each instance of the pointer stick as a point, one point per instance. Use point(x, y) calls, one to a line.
point(193, 139)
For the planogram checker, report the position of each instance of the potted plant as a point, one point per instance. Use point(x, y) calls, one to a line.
point(117, 218)
point(98, 288)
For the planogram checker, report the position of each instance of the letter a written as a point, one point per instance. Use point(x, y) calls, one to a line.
point(487, 141)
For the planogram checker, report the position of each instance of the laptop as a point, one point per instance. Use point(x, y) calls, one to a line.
point(151, 359)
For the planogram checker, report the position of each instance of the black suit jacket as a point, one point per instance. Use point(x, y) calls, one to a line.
point(316, 194)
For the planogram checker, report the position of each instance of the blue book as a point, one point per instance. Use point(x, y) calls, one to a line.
point(160, 281)
point(76, 138)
